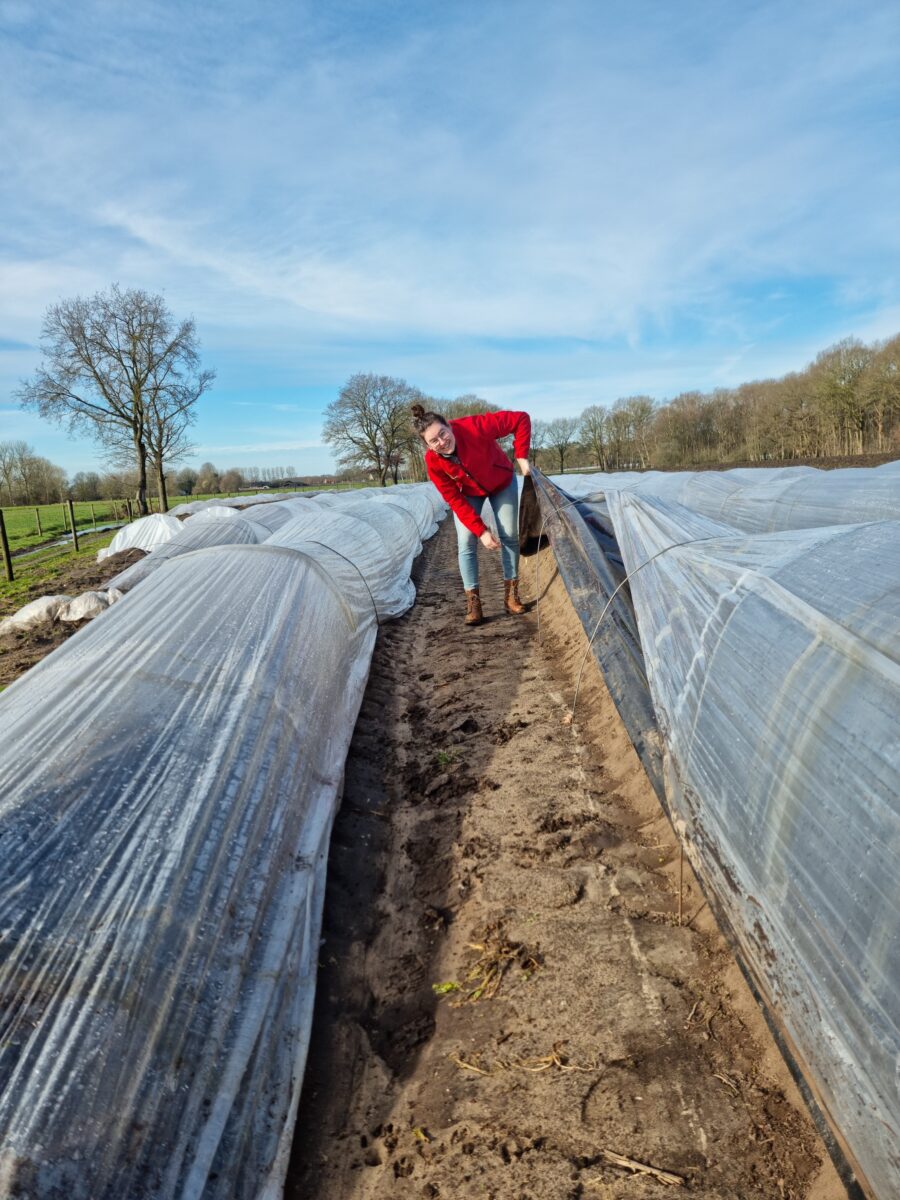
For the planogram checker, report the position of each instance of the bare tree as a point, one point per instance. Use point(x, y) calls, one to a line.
point(562, 434)
point(169, 414)
point(593, 434)
point(171, 410)
point(640, 411)
point(232, 480)
point(8, 457)
point(27, 478)
point(86, 485)
point(881, 385)
point(110, 358)
point(207, 481)
point(368, 424)
point(538, 438)
point(186, 480)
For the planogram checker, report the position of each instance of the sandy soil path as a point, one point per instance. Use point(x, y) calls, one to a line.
point(524, 867)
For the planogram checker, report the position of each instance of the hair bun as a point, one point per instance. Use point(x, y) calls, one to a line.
point(417, 411)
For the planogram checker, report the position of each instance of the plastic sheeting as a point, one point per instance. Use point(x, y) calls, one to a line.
point(392, 520)
point(763, 499)
point(422, 501)
point(270, 516)
point(143, 534)
point(382, 562)
point(248, 501)
point(85, 607)
point(168, 779)
point(44, 610)
point(217, 512)
point(193, 535)
point(382, 539)
point(773, 662)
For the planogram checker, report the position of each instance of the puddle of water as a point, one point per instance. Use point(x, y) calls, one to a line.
point(65, 541)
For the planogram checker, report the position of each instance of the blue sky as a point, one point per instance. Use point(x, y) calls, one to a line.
point(548, 204)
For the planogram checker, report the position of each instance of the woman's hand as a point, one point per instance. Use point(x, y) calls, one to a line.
point(524, 466)
point(489, 541)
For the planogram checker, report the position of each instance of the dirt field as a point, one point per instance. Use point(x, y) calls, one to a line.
point(506, 998)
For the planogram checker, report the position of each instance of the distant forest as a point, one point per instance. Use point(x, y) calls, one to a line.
point(845, 404)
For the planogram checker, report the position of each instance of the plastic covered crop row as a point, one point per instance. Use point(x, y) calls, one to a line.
point(773, 662)
point(168, 780)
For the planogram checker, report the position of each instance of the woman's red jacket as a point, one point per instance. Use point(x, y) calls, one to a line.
point(483, 468)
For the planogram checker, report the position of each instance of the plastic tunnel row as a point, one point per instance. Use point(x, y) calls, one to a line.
point(753, 655)
point(168, 779)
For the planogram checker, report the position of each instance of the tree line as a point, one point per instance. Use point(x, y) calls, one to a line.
point(844, 404)
point(27, 478)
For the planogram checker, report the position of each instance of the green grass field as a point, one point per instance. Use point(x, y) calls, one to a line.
point(23, 528)
point(34, 575)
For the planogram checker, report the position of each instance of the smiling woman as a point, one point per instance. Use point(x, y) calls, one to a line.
point(467, 466)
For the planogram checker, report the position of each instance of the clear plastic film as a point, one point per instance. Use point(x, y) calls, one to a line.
point(193, 535)
point(773, 662)
point(168, 779)
point(146, 533)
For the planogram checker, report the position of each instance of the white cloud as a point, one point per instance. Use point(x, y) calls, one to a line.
point(429, 193)
point(614, 189)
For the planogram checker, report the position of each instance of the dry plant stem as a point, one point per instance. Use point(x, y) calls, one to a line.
point(532, 1065)
point(467, 1066)
point(680, 881)
point(631, 1164)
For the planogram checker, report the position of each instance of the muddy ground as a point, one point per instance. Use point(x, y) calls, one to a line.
point(25, 647)
point(506, 997)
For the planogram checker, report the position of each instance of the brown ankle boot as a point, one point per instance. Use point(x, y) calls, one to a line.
point(474, 615)
point(512, 602)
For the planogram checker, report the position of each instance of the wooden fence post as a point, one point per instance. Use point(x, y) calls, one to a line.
point(74, 530)
point(4, 545)
point(93, 517)
point(37, 517)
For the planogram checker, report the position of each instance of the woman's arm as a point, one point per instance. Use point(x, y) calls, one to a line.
point(499, 424)
point(458, 505)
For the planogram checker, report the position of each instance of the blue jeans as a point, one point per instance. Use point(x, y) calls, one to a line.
point(506, 513)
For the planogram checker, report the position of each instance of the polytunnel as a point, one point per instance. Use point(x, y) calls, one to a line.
point(424, 509)
point(217, 512)
point(394, 519)
point(381, 562)
point(754, 655)
point(168, 780)
point(272, 516)
point(418, 502)
point(143, 534)
point(193, 535)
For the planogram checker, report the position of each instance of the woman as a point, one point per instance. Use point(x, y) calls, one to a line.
point(466, 465)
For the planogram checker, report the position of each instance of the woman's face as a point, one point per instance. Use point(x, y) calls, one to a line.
point(439, 438)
